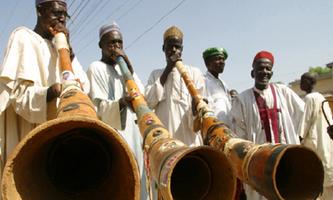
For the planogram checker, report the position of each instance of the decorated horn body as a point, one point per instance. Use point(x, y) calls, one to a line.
point(276, 171)
point(180, 172)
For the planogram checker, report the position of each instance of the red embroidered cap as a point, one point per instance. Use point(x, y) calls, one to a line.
point(264, 54)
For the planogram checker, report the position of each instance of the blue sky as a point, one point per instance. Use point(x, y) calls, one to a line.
point(298, 32)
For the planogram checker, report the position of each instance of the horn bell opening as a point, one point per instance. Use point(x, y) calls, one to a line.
point(71, 158)
point(203, 173)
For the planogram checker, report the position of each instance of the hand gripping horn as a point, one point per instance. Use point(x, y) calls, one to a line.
point(277, 171)
point(75, 156)
point(180, 172)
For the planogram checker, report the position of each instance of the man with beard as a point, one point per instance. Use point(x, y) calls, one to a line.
point(108, 92)
point(217, 92)
point(313, 129)
point(30, 74)
point(167, 94)
point(267, 112)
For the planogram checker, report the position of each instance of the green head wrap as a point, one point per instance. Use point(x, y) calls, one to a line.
point(214, 51)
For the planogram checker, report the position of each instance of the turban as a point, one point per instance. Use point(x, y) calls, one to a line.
point(108, 28)
point(215, 51)
point(264, 54)
point(43, 1)
point(173, 31)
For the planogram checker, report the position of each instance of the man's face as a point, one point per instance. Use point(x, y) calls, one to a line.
point(53, 15)
point(262, 72)
point(110, 42)
point(173, 48)
point(215, 64)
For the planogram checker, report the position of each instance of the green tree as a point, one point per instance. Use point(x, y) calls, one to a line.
point(320, 70)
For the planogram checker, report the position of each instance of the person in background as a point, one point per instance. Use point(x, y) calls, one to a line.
point(108, 93)
point(313, 130)
point(267, 112)
point(217, 92)
point(167, 94)
point(30, 75)
point(233, 93)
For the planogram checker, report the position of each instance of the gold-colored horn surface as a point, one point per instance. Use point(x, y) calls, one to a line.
point(275, 171)
point(72, 157)
point(181, 172)
point(75, 156)
point(194, 173)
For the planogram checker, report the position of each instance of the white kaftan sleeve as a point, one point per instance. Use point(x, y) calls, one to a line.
point(21, 74)
point(4, 97)
point(295, 106)
point(21, 60)
point(108, 111)
point(307, 118)
point(81, 74)
point(154, 90)
point(237, 119)
point(29, 101)
point(199, 83)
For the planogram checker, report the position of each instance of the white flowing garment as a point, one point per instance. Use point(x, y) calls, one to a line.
point(107, 87)
point(30, 66)
point(217, 94)
point(313, 130)
point(247, 124)
point(172, 103)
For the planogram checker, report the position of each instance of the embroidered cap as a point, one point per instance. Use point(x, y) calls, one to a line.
point(173, 31)
point(108, 28)
point(37, 2)
point(215, 51)
point(264, 54)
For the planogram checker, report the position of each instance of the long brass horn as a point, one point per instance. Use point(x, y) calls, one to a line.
point(75, 156)
point(276, 171)
point(179, 171)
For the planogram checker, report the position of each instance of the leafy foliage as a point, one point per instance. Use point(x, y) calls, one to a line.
point(320, 70)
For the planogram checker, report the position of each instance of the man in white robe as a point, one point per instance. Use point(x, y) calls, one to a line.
point(217, 92)
point(167, 94)
point(108, 92)
point(275, 119)
point(313, 129)
point(30, 75)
